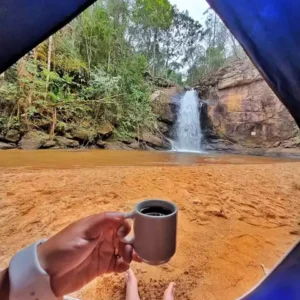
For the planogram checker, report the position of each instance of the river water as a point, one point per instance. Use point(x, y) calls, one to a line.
point(98, 158)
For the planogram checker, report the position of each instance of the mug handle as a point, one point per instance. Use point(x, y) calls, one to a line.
point(130, 215)
point(126, 239)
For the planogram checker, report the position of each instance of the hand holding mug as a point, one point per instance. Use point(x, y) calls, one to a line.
point(85, 250)
point(96, 245)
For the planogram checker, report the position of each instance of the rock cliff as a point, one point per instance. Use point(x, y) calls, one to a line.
point(242, 108)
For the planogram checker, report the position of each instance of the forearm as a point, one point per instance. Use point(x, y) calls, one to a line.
point(4, 285)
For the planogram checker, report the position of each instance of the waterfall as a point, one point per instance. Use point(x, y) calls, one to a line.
point(188, 129)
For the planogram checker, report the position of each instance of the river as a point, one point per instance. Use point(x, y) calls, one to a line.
point(237, 213)
point(97, 158)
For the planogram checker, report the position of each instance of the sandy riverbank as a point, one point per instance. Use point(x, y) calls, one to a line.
point(218, 257)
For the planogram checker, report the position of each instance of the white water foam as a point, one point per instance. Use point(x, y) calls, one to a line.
point(188, 128)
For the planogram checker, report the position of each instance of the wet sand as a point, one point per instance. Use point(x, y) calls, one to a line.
point(219, 256)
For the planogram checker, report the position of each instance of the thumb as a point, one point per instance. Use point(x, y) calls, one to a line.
point(96, 223)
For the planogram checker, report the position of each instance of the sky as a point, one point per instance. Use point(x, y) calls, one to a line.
point(196, 8)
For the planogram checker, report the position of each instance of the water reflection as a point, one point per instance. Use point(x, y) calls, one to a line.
point(98, 158)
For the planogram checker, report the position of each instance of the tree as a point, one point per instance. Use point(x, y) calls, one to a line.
point(181, 39)
point(152, 16)
point(50, 43)
point(94, 34)
point(218, 48)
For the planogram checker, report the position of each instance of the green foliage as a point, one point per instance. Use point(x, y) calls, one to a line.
point(101, 85)
point(218, 48)
point(154, 14)
point(9, 91)
point(175, 77)
point(67, 55)
point(100, 42)
point(135, 103)
point(215, 57)
point(93, 71)
point(61, 127)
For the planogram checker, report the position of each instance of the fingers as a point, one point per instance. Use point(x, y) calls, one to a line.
point(127, 254)
point(125, 249)
point(121, 266)
point(95, 224)
point(124, 230)
point(135, 257)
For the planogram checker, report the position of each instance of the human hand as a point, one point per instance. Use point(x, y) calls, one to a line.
point(85, 250)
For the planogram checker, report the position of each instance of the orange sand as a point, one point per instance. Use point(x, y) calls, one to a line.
point(217, 257)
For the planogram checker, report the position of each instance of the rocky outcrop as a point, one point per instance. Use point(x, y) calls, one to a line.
point(156, 141)
point(6, 146)
point(64, 142)
point(116, 146)
point(49, 144)
point(165, 106)
point(241, 108)
point(100, 143)
point(106, 131)
point(136, 145)
point(83, 135)
point(33, 140)
point(12, 136)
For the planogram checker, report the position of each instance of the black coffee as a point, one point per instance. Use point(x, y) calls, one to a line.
point(156, 211)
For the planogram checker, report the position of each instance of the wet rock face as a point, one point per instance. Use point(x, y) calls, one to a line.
point(165, 106)
point(243, 108)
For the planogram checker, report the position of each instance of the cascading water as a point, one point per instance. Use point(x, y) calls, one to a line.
point(188, 129)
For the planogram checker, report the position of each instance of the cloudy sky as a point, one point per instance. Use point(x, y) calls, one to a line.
point(196, 8)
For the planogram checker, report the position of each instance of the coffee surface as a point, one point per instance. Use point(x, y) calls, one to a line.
point(156, 211)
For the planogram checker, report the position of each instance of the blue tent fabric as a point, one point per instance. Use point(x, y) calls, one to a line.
point(269, 31)
point(26, 23)
point(283, 282)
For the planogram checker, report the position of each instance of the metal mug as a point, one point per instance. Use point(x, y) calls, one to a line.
point(155, 230)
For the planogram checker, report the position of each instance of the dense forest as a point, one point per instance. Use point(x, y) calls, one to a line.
point(100, 70)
